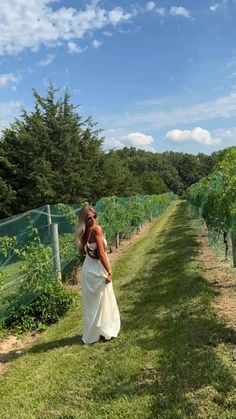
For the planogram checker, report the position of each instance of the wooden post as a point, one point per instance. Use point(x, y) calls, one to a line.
point(49, 218)
point(233, 240)
point(55, 250)
point(117, 240)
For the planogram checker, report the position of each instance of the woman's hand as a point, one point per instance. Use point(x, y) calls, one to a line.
point(109, 278)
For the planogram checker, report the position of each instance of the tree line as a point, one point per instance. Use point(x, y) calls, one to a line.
point(53, 155)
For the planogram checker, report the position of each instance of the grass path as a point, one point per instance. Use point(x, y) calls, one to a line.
point(172, 359)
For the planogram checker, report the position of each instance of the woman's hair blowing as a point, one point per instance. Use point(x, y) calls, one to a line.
point(81, 226)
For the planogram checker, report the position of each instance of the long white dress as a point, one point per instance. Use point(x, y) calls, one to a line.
point(101, 315)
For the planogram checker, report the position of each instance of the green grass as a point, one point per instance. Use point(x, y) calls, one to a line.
point(172, 359)
point(12, 270)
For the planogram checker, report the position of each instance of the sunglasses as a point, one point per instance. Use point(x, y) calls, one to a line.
point(92, 218)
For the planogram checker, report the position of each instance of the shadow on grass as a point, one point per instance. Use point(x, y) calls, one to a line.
point(40, 347)
point(48, 346)
point(73, 340)
point(173, 316)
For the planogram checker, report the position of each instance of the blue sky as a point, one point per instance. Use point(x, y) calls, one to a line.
point(158, 75)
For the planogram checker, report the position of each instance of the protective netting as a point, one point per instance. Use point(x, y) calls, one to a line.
point(212, 200)
point(221, 244)
point(26, 253)
point(27, 246)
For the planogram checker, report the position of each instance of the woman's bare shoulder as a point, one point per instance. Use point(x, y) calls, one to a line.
point(97, 229)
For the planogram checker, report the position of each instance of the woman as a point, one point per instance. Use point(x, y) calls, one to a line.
point(100, 311)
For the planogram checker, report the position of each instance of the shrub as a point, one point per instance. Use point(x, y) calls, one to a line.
point(44, 310)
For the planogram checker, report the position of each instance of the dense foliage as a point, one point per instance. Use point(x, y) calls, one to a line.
point(214, 197)
point(45, 309)
point(123, 215)
point(31, 297)
point(52, 155)
point(172, 170)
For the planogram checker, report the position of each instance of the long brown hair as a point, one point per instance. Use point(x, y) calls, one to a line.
point(81, 226)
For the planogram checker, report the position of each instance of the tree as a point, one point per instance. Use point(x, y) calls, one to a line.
point(114, 178)
point(145, 161)
point(7, 194)
point(151, 184)
point(53, 151)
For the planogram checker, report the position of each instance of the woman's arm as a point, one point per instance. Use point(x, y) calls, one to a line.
point(97, 230)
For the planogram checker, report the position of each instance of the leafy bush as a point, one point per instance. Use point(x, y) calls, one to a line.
point(45, 309)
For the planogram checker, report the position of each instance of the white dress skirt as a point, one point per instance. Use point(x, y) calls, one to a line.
point(101, 315)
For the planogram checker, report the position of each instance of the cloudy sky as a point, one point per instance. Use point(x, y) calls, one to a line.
point(158, 75)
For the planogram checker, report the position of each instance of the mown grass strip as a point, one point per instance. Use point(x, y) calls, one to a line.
point(172, 358)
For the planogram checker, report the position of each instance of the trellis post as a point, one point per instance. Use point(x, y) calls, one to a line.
point(233, 240)
point(117, 240)
point(56, 250)
point(49, 218)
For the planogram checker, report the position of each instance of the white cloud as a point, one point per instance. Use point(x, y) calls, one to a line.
point(117, 15)
point(9, 78)
point(96, 44)
point(161, 11)
point(214, 7)
point(179, 11)
point(227, 133)
point(196, 135)
point(73, 48)
point(228, 136)
point(150, 5)
point(48, 60)
point(232, 75)
point(138, 139)
point(31, 24)
point(117, 139)
point(107, 33)
point(113, 143)
point(8, 111)
point(232, 62)
point(222, 107)
point(219, 5)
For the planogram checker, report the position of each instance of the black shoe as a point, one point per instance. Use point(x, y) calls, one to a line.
point(102, 339)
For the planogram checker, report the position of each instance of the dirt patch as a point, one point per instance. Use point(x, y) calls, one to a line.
point(13, 346)
point(223, 279)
